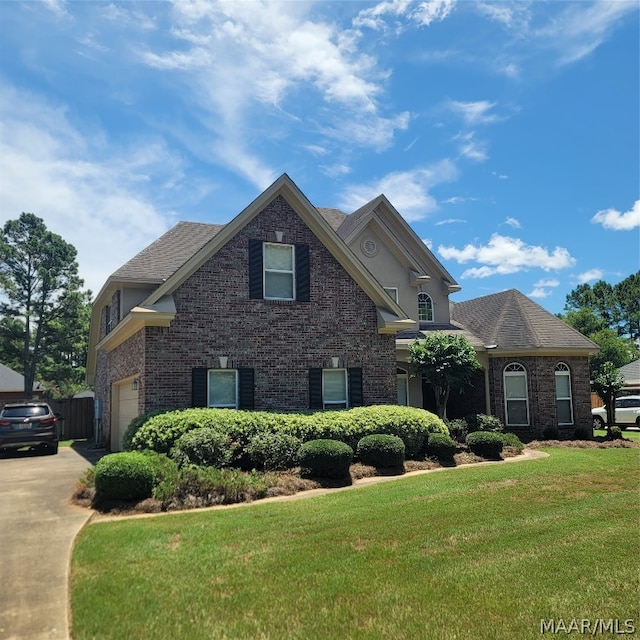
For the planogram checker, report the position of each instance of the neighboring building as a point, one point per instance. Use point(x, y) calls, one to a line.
point(631, 374)
point(290, 307)
point(12, 386)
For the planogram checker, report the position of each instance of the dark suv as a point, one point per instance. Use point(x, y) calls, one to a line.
point(28, 424)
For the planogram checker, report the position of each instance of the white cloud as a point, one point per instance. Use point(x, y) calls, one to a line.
point(474, 113)
point(590, 276)
point(471, 148)
point(504, 255)
point(97, 197)
point(255, 66)
point(449, 221)
point(582, 27)
point(512, 222)
point(408, 191)
point(612, 219)
point(428, 242)
point(422, 13)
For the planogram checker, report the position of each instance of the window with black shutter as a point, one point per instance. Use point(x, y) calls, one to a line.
point(335, 388)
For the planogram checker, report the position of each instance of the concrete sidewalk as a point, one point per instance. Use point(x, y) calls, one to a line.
point(38, 525)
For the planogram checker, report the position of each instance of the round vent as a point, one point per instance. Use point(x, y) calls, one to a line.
point(369, 247)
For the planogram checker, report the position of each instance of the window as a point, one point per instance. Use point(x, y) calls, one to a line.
point(108, 321)
point(334, 389)
point(223, 388)
point(403, 387)
point(279, 271)
point(425, 308)
point(393, 292)
point(515, 394)
point(564, 406)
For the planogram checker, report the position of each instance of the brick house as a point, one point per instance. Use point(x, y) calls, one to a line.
point(290, 307)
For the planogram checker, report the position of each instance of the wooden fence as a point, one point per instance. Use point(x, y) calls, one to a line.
point(76, 419)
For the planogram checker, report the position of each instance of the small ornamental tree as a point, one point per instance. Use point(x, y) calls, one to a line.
point(446, 361)
point(606, 384)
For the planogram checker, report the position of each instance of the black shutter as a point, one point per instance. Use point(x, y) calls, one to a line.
point(303, 273)
point(245, 388)
point(255, 269)
point(355, 387)
point(315, 388)
point(199, 387)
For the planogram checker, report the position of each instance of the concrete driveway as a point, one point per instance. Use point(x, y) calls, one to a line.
point(38, 524)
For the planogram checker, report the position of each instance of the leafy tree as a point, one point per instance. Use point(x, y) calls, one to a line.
point(42, 301)
point(613, 307)
point(446, 361)
point(607, 384)
point(613, 348)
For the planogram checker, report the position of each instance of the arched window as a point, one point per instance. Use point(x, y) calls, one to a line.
point(516, 397)
point(425, 308)
point(564, 404)
point(402, 377)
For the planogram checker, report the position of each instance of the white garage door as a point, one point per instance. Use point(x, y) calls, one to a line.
point(126, 410)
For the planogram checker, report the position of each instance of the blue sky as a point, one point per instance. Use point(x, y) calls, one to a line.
point(506, 133)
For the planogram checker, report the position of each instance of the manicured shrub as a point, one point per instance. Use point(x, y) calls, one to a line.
point(134, 426)
point(458, 429)
point(325, 458)
point(483, 422)
point(165, 474)
point(550, 433)
point(441, 446)
point(582, 433)
point(614, 433)
point(273, 451)
point(124, 476)
point(485, 444)
point(511, 440)
point(381, 450)
point(204, 447)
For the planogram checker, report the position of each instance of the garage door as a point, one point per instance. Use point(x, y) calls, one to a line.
point(125, 411)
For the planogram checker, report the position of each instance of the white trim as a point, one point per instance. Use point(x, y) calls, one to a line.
point(515, 369)
point(334, 403)
point(222, 406)
point(562, 369)
point(291, 271)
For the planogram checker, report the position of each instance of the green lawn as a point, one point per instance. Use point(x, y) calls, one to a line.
point(472, 553)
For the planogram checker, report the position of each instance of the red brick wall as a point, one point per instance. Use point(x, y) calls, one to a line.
point(541, 389)
point(280, 340)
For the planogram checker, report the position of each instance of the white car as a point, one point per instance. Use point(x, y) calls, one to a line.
point(627, 413)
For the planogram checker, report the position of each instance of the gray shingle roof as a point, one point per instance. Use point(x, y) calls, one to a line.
point(168, 253)
point(351, 221)
point(11, 380)
point(334, 217)
point(512, 321)
point(631, 372)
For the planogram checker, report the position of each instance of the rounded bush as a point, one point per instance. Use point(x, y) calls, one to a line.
point(325, 458)
point(441, 446)
point(273, 451)
point(614, 433)
point(486, 444)
point(381, 450)
point(204, 447)
point(134, 426)
point(165, 474)
point(483, 422)
point(511, 440)
point(124, 476)
point(458, 429)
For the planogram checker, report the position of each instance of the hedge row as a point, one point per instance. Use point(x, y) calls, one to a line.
point(161, 432)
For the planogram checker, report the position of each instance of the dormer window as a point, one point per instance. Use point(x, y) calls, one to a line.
point(425, 308)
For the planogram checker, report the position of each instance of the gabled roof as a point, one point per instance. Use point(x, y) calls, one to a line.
point(162, 258)
point(11, 380)
point(631, 373)
point(174, 257)
point(383, 218)
point(509, 321)
point(334, 217)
